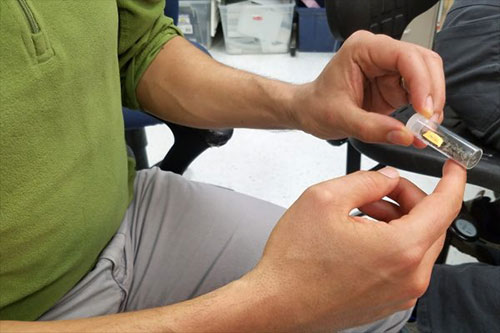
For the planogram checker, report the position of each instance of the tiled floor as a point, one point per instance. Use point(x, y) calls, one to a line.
point(275, 165)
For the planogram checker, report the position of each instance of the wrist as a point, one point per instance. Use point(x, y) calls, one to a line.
point(244, 305)
point(271, 303)
point(293, 105)
point(300, 105)
point(283, 98)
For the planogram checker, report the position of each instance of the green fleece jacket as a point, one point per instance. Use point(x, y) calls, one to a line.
point(65, 179)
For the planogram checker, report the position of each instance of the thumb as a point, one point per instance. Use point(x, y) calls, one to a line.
point(377, 128)
point(360, 188)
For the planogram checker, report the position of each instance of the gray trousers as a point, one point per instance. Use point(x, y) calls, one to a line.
point(179, 239)
point(463, 298)
point(466, 298)
point(469, 44)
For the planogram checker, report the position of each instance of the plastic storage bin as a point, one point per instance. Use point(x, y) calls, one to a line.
point(257, 28)
point(194, 20)
point(314, 32)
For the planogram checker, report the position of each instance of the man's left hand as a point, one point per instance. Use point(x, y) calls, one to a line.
point(370, 77)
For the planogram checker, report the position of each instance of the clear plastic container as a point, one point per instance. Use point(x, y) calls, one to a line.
point(446, 142)
point(194, 20)
point(263, 27)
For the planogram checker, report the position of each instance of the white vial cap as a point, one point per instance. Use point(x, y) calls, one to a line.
point(417, 122)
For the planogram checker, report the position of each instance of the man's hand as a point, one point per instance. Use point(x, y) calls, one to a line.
point(353, 95)
point(363, 84)
point(321, 268)
point(324, 269)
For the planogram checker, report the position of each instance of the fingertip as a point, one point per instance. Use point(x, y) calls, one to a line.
point(423, 104)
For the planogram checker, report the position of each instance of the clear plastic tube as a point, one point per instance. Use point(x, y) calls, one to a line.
point(446, 142)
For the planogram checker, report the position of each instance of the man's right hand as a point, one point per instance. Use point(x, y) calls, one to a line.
point(324, 269)
point(321, 268)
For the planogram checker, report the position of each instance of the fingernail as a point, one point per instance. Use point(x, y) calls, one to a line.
point(389, 172)
point(429, 107)
point(399, 137)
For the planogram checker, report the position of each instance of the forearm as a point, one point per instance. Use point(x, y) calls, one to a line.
point(239, 306)
point(185, 86)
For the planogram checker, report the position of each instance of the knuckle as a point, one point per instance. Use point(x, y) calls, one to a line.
point(413, 50)
point(418, 287)
point(384, 38)
point(319, 194)
point(361, 34)
point(436, 57)
point(359, 38)
point(410, 258)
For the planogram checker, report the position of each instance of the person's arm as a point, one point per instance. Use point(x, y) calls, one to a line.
point(186, 86)
point(322, 269)
point(353, 95)
point(237, 306)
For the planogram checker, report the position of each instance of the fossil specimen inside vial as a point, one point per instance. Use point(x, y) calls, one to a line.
point(446, 142)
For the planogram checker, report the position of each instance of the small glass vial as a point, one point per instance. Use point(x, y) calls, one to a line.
point(446, 142)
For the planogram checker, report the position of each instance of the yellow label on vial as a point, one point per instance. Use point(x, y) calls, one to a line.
point(434, 138)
